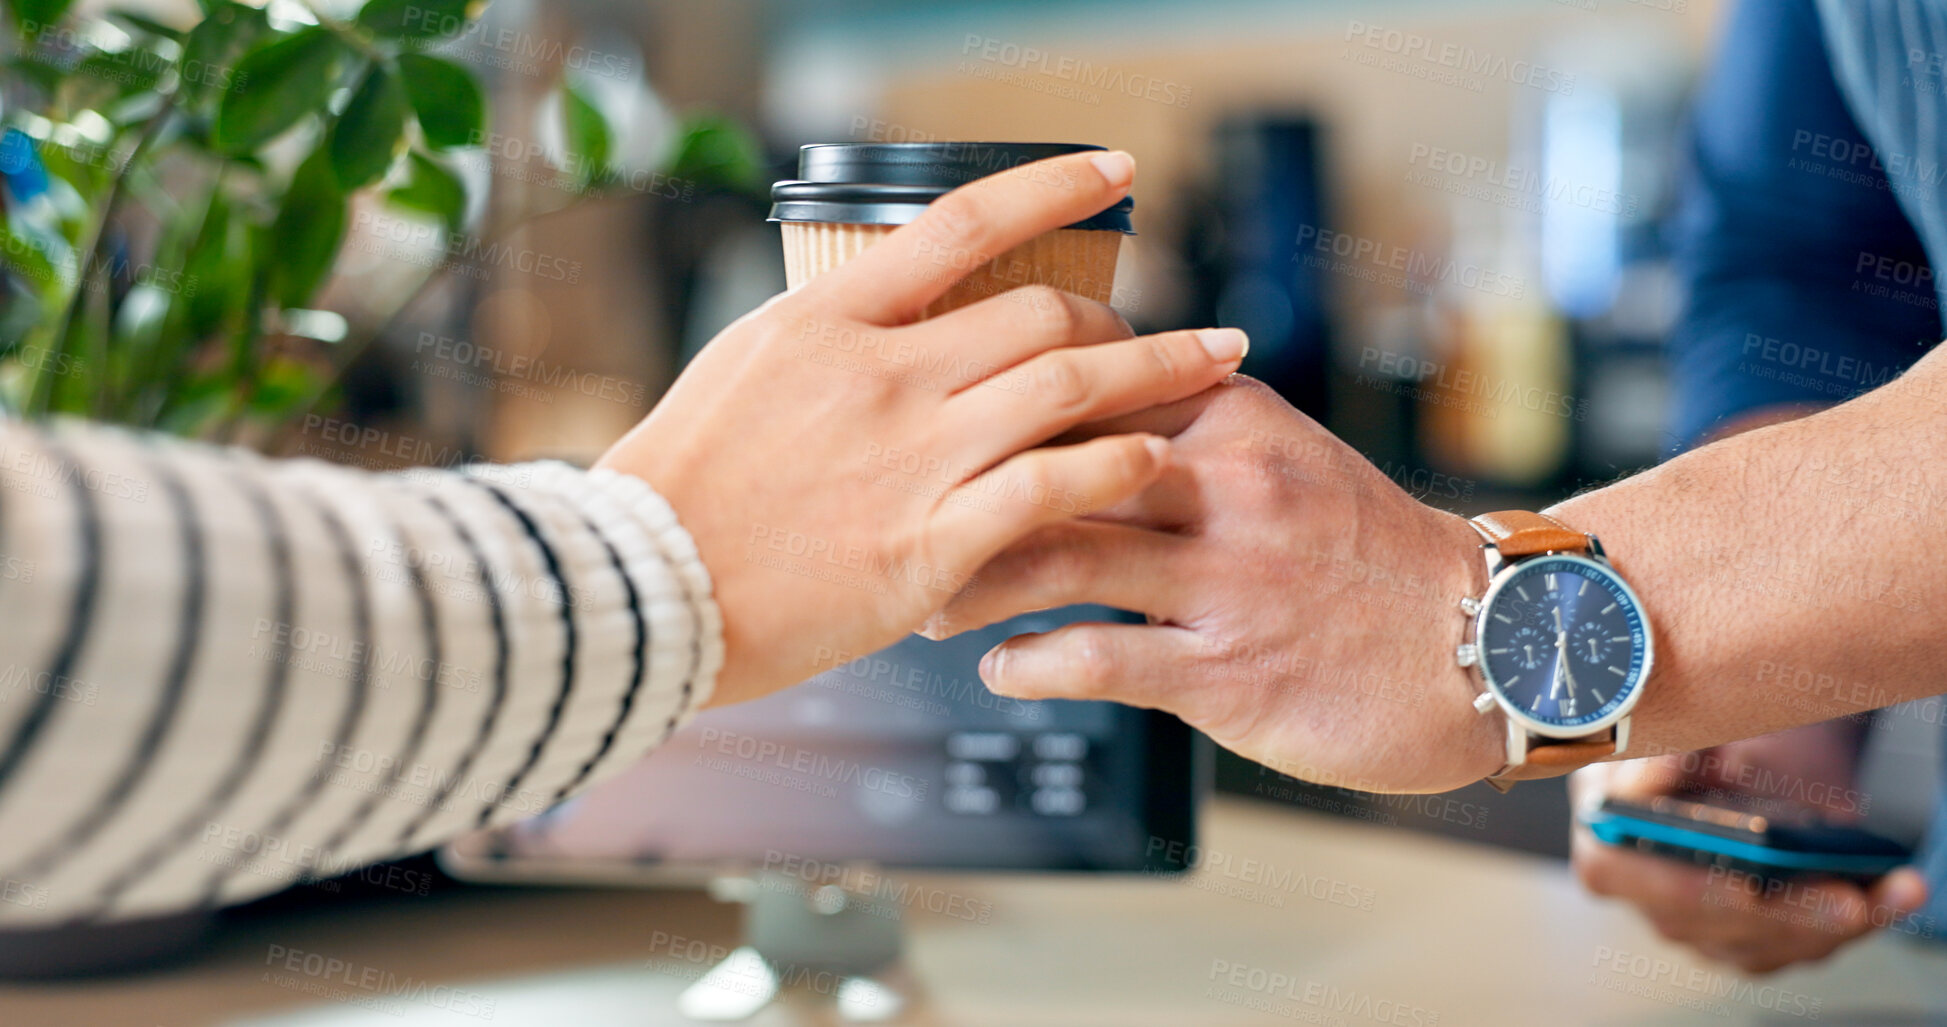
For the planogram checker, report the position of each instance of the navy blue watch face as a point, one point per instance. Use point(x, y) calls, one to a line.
point(1563, 641)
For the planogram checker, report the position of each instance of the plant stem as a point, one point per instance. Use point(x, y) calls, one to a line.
point(41, 391)
point(345, 33)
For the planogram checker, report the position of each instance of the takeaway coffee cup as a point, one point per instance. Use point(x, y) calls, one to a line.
point(848, 196)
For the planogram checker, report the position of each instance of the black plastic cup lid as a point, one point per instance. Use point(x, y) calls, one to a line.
point(890, 183)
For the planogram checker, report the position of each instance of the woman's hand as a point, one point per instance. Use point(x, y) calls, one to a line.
point(845, 468)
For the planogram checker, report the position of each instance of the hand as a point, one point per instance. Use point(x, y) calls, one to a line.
point(1304, 608)
point(844, 470)
point(1728, 916)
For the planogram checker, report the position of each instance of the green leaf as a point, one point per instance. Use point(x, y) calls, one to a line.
point(588, 135)
point(139, 318)
point(26, 258)
point(418, 20)
point(212, 49)
point(451, 109)
point(275, 85)
point(198, 404)
point(32, 17)
point(717, 150)
point(135, 70)
point(433, 190)
point(304, 238)
point(284, 385)
point(146, 24)
point(212, 273)
point(371, 131)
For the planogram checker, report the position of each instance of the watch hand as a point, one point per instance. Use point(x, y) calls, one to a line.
point(1568, 675)
point(1561, 662)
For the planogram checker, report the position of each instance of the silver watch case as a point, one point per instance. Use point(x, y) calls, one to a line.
point(1520, 724)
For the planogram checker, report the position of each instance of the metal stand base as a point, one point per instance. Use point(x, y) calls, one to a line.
point(826, 941)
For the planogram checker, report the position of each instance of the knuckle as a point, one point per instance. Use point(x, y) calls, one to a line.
point(1163, 354)
point(1025, 479)
point(957, 221)
point(1132, 459)
point(1059, 570)
point(1089, 662)
point(1061, 384)
point(1057, 311)
point(1252, 389)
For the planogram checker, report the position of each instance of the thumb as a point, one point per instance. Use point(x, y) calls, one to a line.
point(1643, 779)
point(1901, 892)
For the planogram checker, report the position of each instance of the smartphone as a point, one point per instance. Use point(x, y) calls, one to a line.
point(1761, 844)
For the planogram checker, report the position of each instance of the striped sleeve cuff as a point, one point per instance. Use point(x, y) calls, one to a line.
point(660, 557)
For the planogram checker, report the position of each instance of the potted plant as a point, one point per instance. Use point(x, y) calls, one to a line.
point(173, 196)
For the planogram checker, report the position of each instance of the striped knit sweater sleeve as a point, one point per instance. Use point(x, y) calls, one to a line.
point(221, 674)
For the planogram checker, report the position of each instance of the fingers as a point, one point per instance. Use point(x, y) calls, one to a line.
point(1644, 779)
point(1761, 926)
point(1070, 563)
point(893, 280)
point(1128, 663)
point(1756, 924)
point(974, 521)
point(1001, 331)
point(1901, 893)
point(1664, 889)
point(1059, 389)
point(1168, 420)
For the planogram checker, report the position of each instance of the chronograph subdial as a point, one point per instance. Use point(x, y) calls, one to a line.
point(1530, 647)
point(1595, 644)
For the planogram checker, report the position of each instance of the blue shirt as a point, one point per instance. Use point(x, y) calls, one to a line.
point(1807, 280)
point(1817, 191)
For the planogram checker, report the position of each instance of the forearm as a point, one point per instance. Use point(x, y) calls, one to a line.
point(1792, 574)
point(223, 674)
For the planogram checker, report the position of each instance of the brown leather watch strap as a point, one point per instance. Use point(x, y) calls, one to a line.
point(1555, 758)
point(1518, 533)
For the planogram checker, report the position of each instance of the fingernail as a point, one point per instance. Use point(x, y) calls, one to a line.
point(1159, 448)
point(1224, 344)
point(990, 666)
point(1116, 166)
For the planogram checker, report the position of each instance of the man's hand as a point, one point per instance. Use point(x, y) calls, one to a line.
point(1303, 607)
point(1729, 916)
point(844, 470)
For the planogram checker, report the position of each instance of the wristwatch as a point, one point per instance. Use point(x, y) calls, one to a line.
point(1561, 643)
